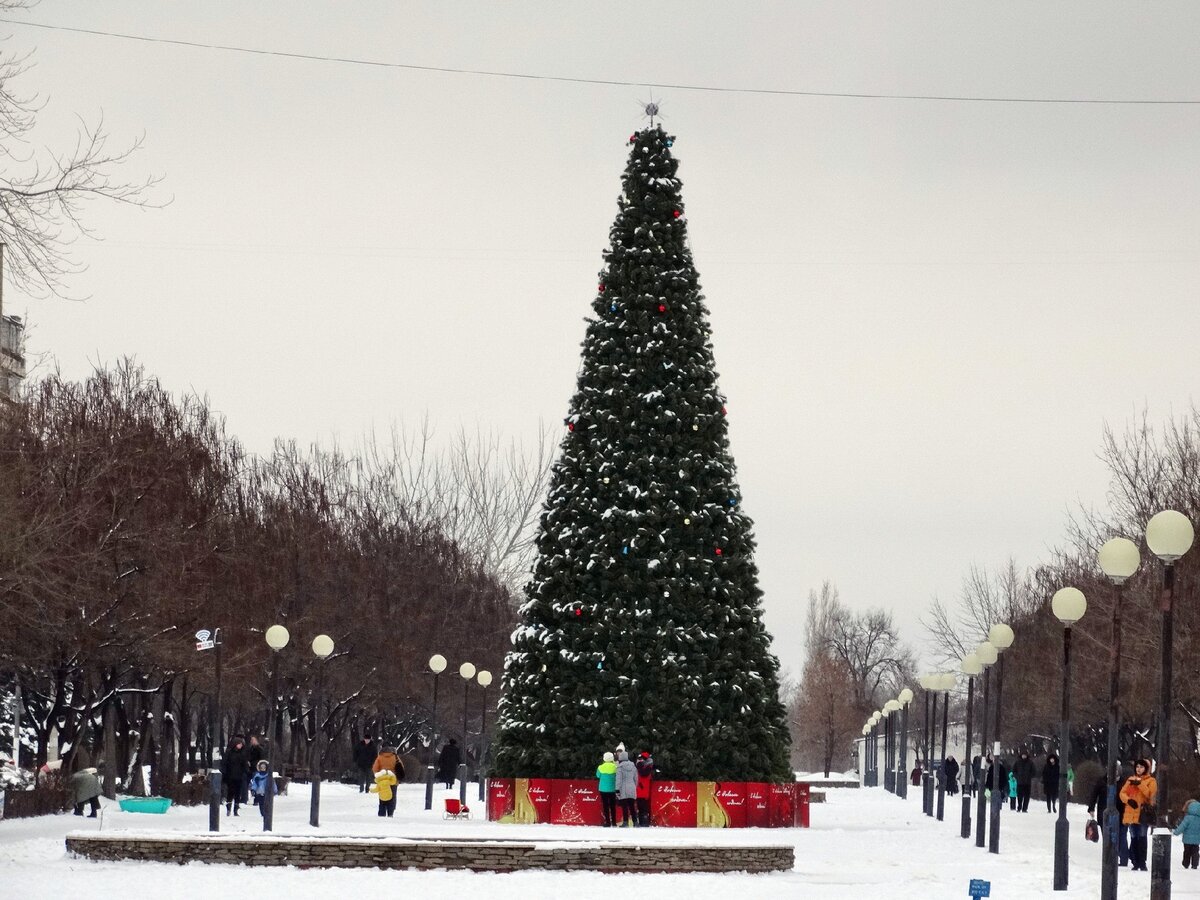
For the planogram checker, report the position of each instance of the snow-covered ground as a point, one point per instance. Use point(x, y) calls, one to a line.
point(864, 843)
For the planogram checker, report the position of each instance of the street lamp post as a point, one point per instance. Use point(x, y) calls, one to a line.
point(1068, 605)
point(905, 698)
point(322, 646)
point(277, 638)
point(1169, 535)
point(987, 655)
point(927, 773)
point(467, 672)
point(892, 707)
point(484, 678)
point(875, 718)
point(1000, 636)
point(437, 665)
point(866, 756)
point(945, 685)
point(971, 666)
point(1119, 558)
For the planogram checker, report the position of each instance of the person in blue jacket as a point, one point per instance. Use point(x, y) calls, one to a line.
point(261, 782)
point(1189, 829)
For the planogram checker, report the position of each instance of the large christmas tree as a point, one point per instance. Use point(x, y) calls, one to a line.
point(643, 621)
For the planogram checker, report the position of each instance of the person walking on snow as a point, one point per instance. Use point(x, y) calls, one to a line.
point(260, 783)
point(1023, 773)
point(448, 762)
point(606, 775)
point(387, 759)
point(235, 771)
point(385, 787)
point(627, 780)
point(84, 787)
point(1050, 775)
point(1189, 829)
point(364, 755)
point(1139, 793)
point(950, 771)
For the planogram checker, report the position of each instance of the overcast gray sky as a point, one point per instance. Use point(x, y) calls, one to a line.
point(924, 312)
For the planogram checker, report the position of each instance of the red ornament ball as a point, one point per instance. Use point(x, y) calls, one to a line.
point(677, 214)
point(633, 137)
point(579, 612)
point(724, 411)
point(602, 286)
point(570, 426)
point(717, 551)
point(662, 307)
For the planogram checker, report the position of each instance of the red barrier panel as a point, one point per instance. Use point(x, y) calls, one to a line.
point(673, 804)
point(575, 803)
point(781, 805)
point(499, 798)
point(757, 805)
point(732, 797)
point(801, 820)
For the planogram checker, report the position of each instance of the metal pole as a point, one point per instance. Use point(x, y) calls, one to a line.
point(429, 783)
point(214, 739)
point(902, 784)
point(462, 784)
point(1160, 860)
point(482, 744)
point(941, 797)
point(887, 752)
point(925, 789)
point(981, 806)
point(999, 791)
point(1062, 828)
point(1108, 853)
point(314, 806)
point(269, 797)
point(929, 776)
point(466, 696)
point(968, 774)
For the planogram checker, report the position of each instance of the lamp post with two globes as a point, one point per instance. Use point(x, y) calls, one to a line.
point(1068, 605)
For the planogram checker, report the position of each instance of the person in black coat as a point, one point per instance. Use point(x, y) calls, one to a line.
point(1098, 804)
point(1050, 775)
point(448, 762)
point(364, 758)
point(950, 775)
point(235, 773)
point(1023, 772)
point(975, 774)
point(255, 754)
point(995, 778)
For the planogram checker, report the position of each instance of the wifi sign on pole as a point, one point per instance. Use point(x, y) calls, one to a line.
point(204, 639)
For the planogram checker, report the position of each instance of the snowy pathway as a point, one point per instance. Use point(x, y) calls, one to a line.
point(863, 844)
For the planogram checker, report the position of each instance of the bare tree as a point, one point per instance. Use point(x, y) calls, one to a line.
point(43, 193)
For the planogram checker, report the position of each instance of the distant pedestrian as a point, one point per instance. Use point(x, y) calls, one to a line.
point(975, 782)
point(915, 777)
point(1051, 772)
point(385, 787)
point(235, 772)
point(606, 775)
point(995, 779)
point(1012, 790)
point(645, 770)
point(387, 760)
point(254, 755)
point(1022, 773)
point(364, 755)
point(84, 787)
point(260, 783)
point(627, 779)
point(448, 762)
point(950, 769)
point(1189, 829)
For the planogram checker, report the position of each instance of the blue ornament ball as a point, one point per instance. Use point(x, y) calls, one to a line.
point(613, 308)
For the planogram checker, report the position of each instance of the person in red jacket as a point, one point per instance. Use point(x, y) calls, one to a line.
point(645, 772)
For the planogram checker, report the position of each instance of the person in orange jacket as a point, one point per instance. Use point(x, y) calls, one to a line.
point(385, 787)
point(1138, 793)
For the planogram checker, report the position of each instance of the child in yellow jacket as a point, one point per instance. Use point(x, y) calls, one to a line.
point(385, 787)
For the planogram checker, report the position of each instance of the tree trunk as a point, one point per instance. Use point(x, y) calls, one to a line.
point(110, 748)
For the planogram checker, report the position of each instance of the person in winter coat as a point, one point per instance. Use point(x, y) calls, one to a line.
point(1012, 790)
point(84, 787)
point(254, 755)
point(950, 774)
point(448, 762)
point(627, 779)
point(260, 783)
point(364, 755)
point(995, 778)
point(645, 770)
point(1050, 775)
point(387, 759)
point(1189, 829)
point(975, 766)
point(1022, 773)
point(235, 772)
point(1139, 793)
point(606, 775)
point(915, 777)
point(385, 787)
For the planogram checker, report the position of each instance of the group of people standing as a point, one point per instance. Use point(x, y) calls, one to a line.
point(627, 783)
point(245, 772)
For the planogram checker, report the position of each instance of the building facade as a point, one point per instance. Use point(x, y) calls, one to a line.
point(12, 355)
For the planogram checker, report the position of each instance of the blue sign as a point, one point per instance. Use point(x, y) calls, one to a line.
point(980, 888)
